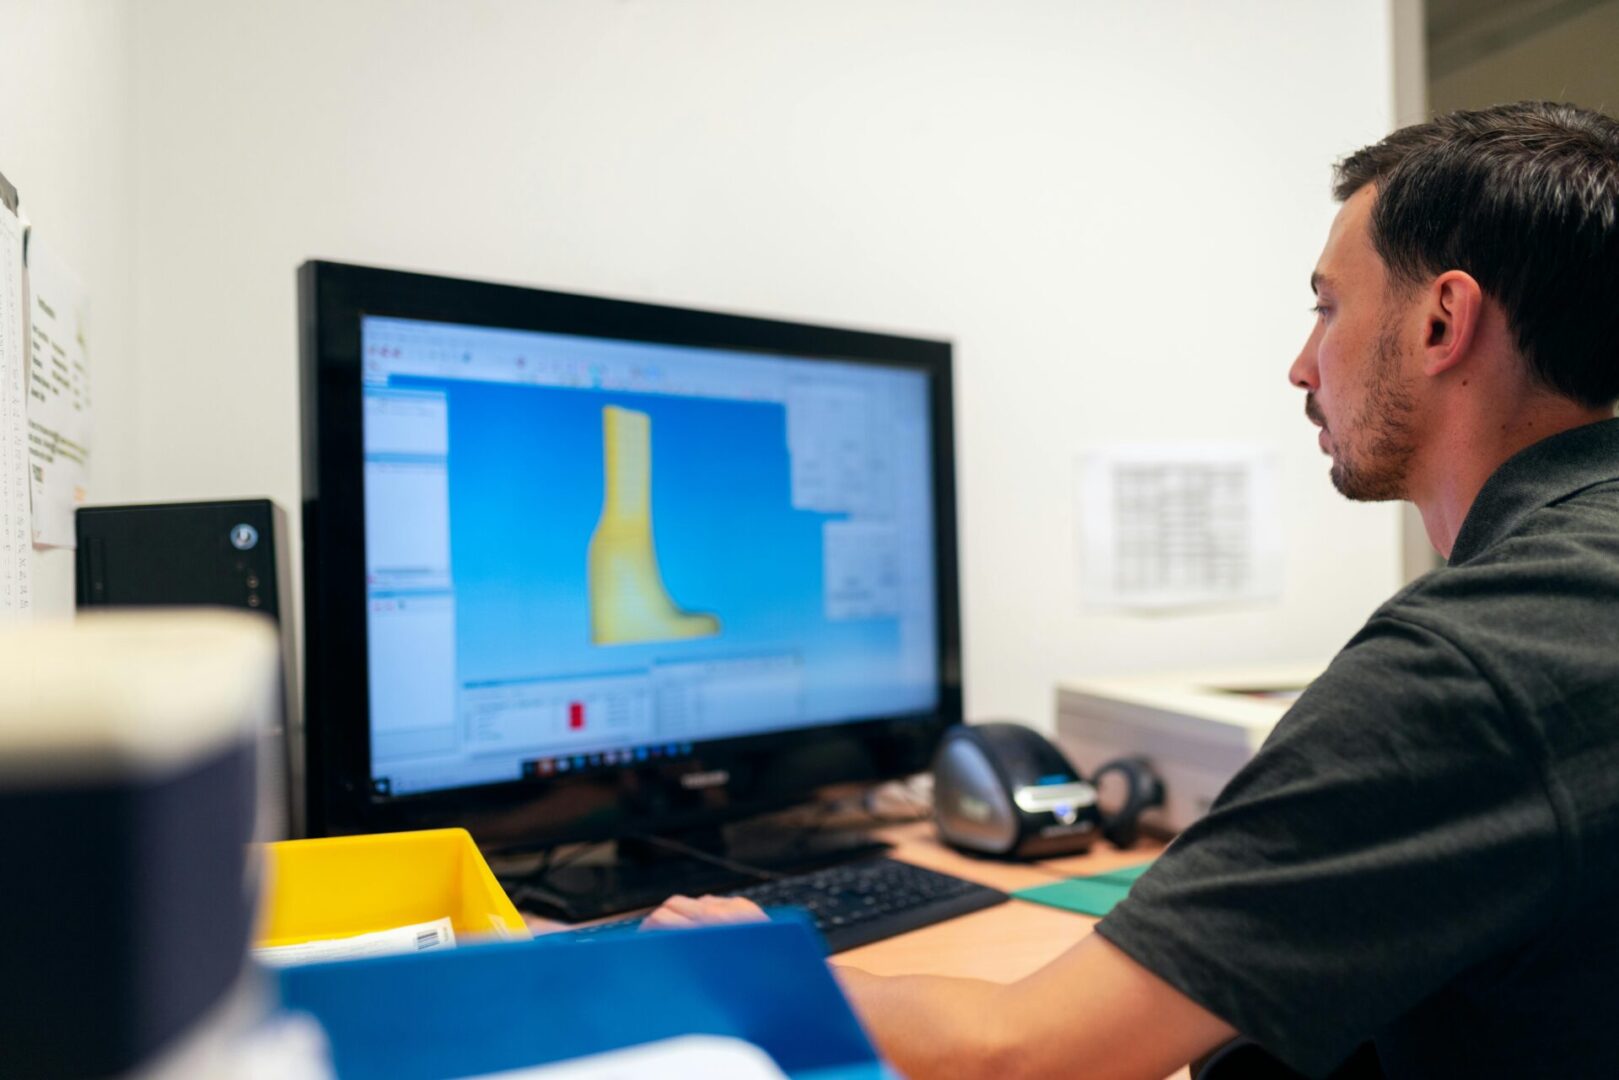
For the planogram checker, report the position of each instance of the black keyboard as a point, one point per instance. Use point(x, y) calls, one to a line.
point(857, 903)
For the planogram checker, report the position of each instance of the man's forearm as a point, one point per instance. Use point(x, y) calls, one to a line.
point(928, 1025)
point(1091, 1012)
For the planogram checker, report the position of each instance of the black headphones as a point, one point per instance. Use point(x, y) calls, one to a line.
point(1123, 826)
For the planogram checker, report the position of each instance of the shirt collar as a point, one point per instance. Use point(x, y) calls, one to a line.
point(1538, 476)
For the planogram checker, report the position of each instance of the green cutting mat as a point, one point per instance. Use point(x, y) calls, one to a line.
point(1094, 895)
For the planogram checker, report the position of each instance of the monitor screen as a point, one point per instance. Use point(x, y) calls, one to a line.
point(578, 568)
point(584, 552)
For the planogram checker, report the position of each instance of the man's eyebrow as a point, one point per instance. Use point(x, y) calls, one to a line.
point(1317, 279)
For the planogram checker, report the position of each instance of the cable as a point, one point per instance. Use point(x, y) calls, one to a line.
point(539, 878)
point(550, 863)
point(709, 857)
point(818, 818)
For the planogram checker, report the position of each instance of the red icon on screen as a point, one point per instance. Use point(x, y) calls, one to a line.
point(576, 716)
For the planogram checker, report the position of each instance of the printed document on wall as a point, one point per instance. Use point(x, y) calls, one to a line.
point(15, 527)
point(58, 396)
point(1179, 525)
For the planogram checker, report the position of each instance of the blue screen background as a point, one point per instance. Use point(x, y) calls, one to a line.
point(525, 490)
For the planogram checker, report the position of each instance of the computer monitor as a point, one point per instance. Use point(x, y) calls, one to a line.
point(584, 569)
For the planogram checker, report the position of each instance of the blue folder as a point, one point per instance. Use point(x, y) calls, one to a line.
point(484, 1008)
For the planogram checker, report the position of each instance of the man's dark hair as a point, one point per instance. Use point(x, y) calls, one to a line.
point(1525, 198)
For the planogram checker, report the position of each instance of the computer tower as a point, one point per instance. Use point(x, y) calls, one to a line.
point(230, 554)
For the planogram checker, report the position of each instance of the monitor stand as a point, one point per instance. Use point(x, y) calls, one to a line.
point(647, 870)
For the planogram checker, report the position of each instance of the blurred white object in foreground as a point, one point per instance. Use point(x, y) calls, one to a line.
point(128, 757)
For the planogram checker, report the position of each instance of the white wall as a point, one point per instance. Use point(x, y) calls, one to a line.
point(1111, 208)
point(1410, 59)
point(66, 142)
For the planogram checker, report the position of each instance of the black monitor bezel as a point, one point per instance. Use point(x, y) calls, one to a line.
point(766, 771)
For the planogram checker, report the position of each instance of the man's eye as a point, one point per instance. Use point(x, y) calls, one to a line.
point(1320, 310)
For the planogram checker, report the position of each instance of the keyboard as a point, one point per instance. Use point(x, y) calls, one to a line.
point(854, 904)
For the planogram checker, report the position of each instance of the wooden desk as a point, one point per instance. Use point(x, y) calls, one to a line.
point(1000, 944)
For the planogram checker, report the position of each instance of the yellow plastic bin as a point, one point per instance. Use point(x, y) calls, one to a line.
point(346, 885)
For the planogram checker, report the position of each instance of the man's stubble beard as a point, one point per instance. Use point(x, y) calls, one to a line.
point(1374, 454)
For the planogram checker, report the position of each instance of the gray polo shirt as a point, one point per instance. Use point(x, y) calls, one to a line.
point(1425, 853)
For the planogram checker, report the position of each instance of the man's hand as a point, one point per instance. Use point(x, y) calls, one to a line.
point(684, 912)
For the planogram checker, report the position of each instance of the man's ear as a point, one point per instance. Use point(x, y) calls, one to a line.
point(1454, 306)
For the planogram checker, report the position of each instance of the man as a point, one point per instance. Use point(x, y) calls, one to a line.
point(1425, 854)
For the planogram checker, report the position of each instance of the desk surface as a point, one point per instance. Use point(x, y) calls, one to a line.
point(1001, 943)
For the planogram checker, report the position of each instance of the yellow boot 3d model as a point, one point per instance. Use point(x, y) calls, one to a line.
point(628, 601)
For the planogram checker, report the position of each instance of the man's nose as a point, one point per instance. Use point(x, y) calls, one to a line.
point(1303, 373)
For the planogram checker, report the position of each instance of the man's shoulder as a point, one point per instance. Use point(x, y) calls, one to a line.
point(1527, 625)
point(1534, 618)
point(1562, 554)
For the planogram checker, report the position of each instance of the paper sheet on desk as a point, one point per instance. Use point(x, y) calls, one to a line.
point(689, 1057)
point(1093, 895)
point(58, 396)
point(16, 527)
point(402, 939)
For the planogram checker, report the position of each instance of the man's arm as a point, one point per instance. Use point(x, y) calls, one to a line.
point(1091, 1012)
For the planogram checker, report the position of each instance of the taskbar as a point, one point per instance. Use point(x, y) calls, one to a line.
point(542, 768)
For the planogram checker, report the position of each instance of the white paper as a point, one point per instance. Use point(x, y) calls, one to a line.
point(58, 396)
point(687, 1057)
point(1179, 525)
point(15, 520)
point(419, 937)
